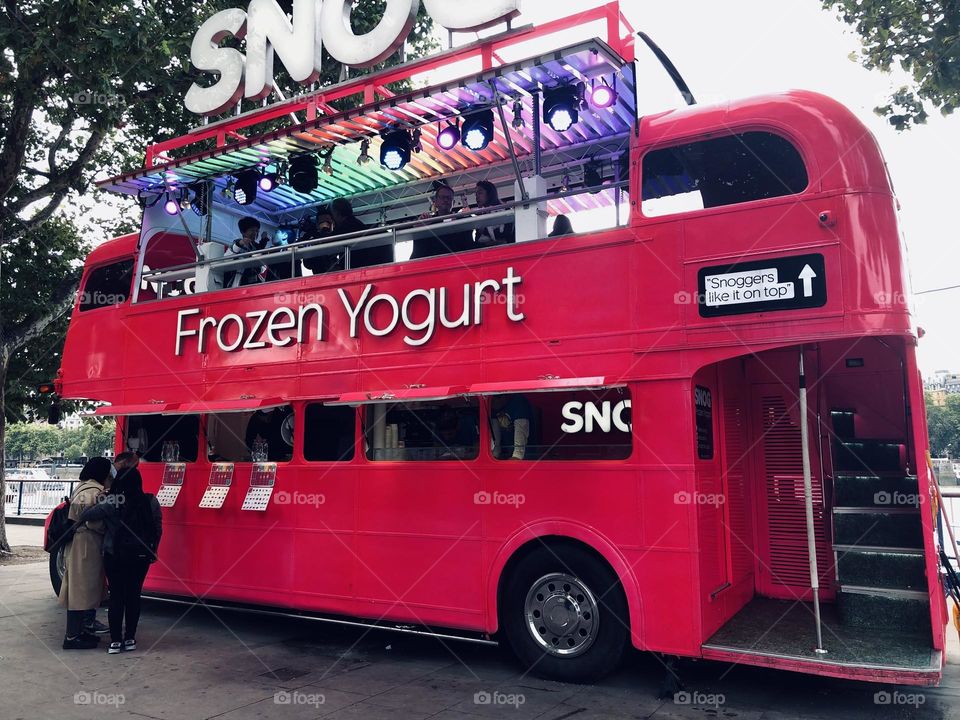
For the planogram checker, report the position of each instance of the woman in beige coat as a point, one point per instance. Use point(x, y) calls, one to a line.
point(83, 587)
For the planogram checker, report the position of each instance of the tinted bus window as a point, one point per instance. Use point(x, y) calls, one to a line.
point(155, 437)
point(580, 425)
point(720, 171)
point(107, 285)
point(328, 433)
point(257, 436)
point(436, 430)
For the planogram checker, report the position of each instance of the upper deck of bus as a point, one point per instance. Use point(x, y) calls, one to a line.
point(682, 193)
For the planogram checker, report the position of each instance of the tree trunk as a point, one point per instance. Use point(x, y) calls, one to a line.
point(4, 364)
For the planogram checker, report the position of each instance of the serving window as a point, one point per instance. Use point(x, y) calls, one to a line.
point(328, 433)
point(163, 438)
point(253, 436)
point(567, 425)
point(447, 429)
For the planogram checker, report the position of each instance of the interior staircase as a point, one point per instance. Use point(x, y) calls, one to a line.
point(877, 535)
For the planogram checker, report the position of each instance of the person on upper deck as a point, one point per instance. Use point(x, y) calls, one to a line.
point(322, 229)
point(344, 221)
point(488, 197)
point(247, 242)
point(561, 226)
point(440, 243)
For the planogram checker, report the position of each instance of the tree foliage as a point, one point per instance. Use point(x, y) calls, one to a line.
point(943, 424)
point(922, 37)
point(36, 441)
point(84, 86)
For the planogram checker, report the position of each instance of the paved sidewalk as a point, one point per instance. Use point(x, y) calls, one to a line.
point(234, 666)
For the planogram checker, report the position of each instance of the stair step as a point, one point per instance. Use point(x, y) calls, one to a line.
point(869, 608)
point(878, 528)
point(868, 455)
point(860, 490)
point(882, 570)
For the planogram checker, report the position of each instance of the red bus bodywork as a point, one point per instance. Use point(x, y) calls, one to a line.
point(404, 542)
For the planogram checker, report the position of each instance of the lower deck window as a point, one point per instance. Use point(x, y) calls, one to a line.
point(328, 433)
point(163, 438)
point(430, 430)
point(578, 425)
point(256, 436)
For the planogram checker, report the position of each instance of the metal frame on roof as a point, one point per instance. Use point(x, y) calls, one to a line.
point(517, 84)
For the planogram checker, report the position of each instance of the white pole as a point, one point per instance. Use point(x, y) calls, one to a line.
point(808, 506)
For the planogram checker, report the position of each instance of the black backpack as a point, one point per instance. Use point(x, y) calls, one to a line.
point(137, 535)
point(60, 525)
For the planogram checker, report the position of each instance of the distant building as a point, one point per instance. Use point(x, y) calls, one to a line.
point(71, 422)
point(941, 384)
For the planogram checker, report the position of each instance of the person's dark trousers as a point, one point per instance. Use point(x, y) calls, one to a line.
point(126, 576)
point(75, 621)
point(89, 616)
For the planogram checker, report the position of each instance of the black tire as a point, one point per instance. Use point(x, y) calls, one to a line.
point(56, 569)
point(563, 585)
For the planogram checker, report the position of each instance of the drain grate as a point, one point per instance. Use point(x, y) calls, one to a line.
point(284, 674)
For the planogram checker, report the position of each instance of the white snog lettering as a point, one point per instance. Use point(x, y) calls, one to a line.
point(298, 40)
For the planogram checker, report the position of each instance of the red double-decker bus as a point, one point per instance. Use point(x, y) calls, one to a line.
point(690, 420)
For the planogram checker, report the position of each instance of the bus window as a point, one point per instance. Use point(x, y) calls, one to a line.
point(434, 430)
point(257, 436)
point(328, 433)
point(720, 171)
point(163, 438)
point(577, 425)
point(107, 285)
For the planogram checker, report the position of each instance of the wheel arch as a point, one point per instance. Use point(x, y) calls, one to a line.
point(552, 534)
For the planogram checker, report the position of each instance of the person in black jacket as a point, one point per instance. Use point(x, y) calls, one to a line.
point(133, 526)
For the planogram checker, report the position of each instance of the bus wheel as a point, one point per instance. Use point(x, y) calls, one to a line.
point(565, 615)
point(58, 566)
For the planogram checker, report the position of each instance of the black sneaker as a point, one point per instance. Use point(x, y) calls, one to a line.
point(96, 628)
point(130, 645)
point(80, 643)
point(114, 648)
point(87, 636)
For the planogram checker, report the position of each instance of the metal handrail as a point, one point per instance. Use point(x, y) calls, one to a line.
point(370, 237)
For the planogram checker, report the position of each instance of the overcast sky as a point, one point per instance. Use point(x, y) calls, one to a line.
point(739, 48)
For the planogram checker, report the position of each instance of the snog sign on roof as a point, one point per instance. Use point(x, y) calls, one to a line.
point(297, 41)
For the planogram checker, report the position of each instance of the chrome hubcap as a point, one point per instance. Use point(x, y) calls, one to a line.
point(61, 562)
point(561, 615)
